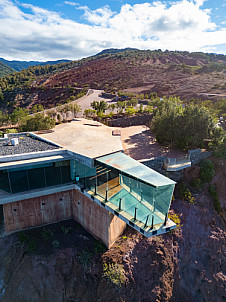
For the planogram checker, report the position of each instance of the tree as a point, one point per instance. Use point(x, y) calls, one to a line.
point(52, 113)
point(112, 107)
point(37, 108)
point(120, 106)
point(89, 113)
point(99, 106)
point(3, 118)
point(76, 109)
point(18, 114)
point(182, 127)
point(37, 122)
point(130, 111)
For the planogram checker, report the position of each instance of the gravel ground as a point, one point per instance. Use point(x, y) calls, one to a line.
point(140, 144)
point(26, 144)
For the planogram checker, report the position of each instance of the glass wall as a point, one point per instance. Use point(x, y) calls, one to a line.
point(35, 177)
point(141, 200)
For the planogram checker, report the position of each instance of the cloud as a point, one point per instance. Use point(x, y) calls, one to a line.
point(72, 3)
point(100, 16)
point(30, 32)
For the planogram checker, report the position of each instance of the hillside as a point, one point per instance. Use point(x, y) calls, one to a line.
point(19, 65)
point(187, 75)
point(5, 70)
point(187, 264)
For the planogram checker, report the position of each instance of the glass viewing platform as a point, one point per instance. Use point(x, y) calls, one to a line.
point(132, 190)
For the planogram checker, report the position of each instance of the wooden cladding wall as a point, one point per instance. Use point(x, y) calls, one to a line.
point(37, 211)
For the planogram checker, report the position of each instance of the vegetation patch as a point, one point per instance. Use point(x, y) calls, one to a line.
point(216, 201)
point(185, 193)
point(114, 273)
point(175, 218)
point(185, 126)
point(206, 170)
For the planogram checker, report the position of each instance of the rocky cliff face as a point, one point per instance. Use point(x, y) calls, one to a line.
point(64, 263)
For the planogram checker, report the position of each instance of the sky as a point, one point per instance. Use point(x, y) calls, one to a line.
point(50, 30)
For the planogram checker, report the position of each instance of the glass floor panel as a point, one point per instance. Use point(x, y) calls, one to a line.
point(129, 203)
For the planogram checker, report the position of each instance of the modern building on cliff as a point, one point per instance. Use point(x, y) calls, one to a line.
point(80, 172)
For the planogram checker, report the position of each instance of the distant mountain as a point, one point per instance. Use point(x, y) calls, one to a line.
point(181, 73)
point(115, 50)
point(19, 65)
point(5, 69)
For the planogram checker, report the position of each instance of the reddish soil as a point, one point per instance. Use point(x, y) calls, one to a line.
point(187, 264)
point(183, 75)
point(164, 75)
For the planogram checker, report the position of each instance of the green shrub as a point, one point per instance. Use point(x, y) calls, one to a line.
point(56, 243)
point(37, 122)
point(46, 234)
point(66, 230)
point(114, 273)
point(221, 149)
point(185, 193)
point(85, 258)
point(196, 183)
point(206, 170)
point(216, 202)
point(11, 130)
point(22, 237)
point(175, 218)
point(130, 111)
point(32, 245)
point(177, 126)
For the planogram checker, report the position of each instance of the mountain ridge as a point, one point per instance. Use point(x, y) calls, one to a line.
point(5, 69)
point(19, 65)
point(186, 75)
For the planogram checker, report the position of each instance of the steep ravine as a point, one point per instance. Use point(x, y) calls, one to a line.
point(53, 264)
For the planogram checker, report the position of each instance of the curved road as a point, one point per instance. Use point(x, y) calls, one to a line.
point(86, 100)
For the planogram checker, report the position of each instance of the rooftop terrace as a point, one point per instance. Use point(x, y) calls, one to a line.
point(27, 143)
point(87, 138)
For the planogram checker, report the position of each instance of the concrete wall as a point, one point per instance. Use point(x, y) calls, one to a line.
point(61, 206)
point(96, 220)
point(37, 211)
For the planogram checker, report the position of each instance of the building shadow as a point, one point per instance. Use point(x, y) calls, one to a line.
point(144, 146)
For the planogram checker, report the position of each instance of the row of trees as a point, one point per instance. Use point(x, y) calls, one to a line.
point(184, 126)
point(39, 120)
point(127, 107)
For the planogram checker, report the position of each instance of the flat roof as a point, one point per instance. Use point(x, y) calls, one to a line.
point(134, 168)
point(88, 138)
point(34, 161)
point(27, 143)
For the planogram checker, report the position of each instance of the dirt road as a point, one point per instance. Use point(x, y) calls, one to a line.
point(86, 100)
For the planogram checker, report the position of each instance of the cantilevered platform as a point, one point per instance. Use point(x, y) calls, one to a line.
point(135, 193)
point(177, 164)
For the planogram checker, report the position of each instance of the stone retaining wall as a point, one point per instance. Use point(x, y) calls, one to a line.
point(135, 120)
point(197, 155)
